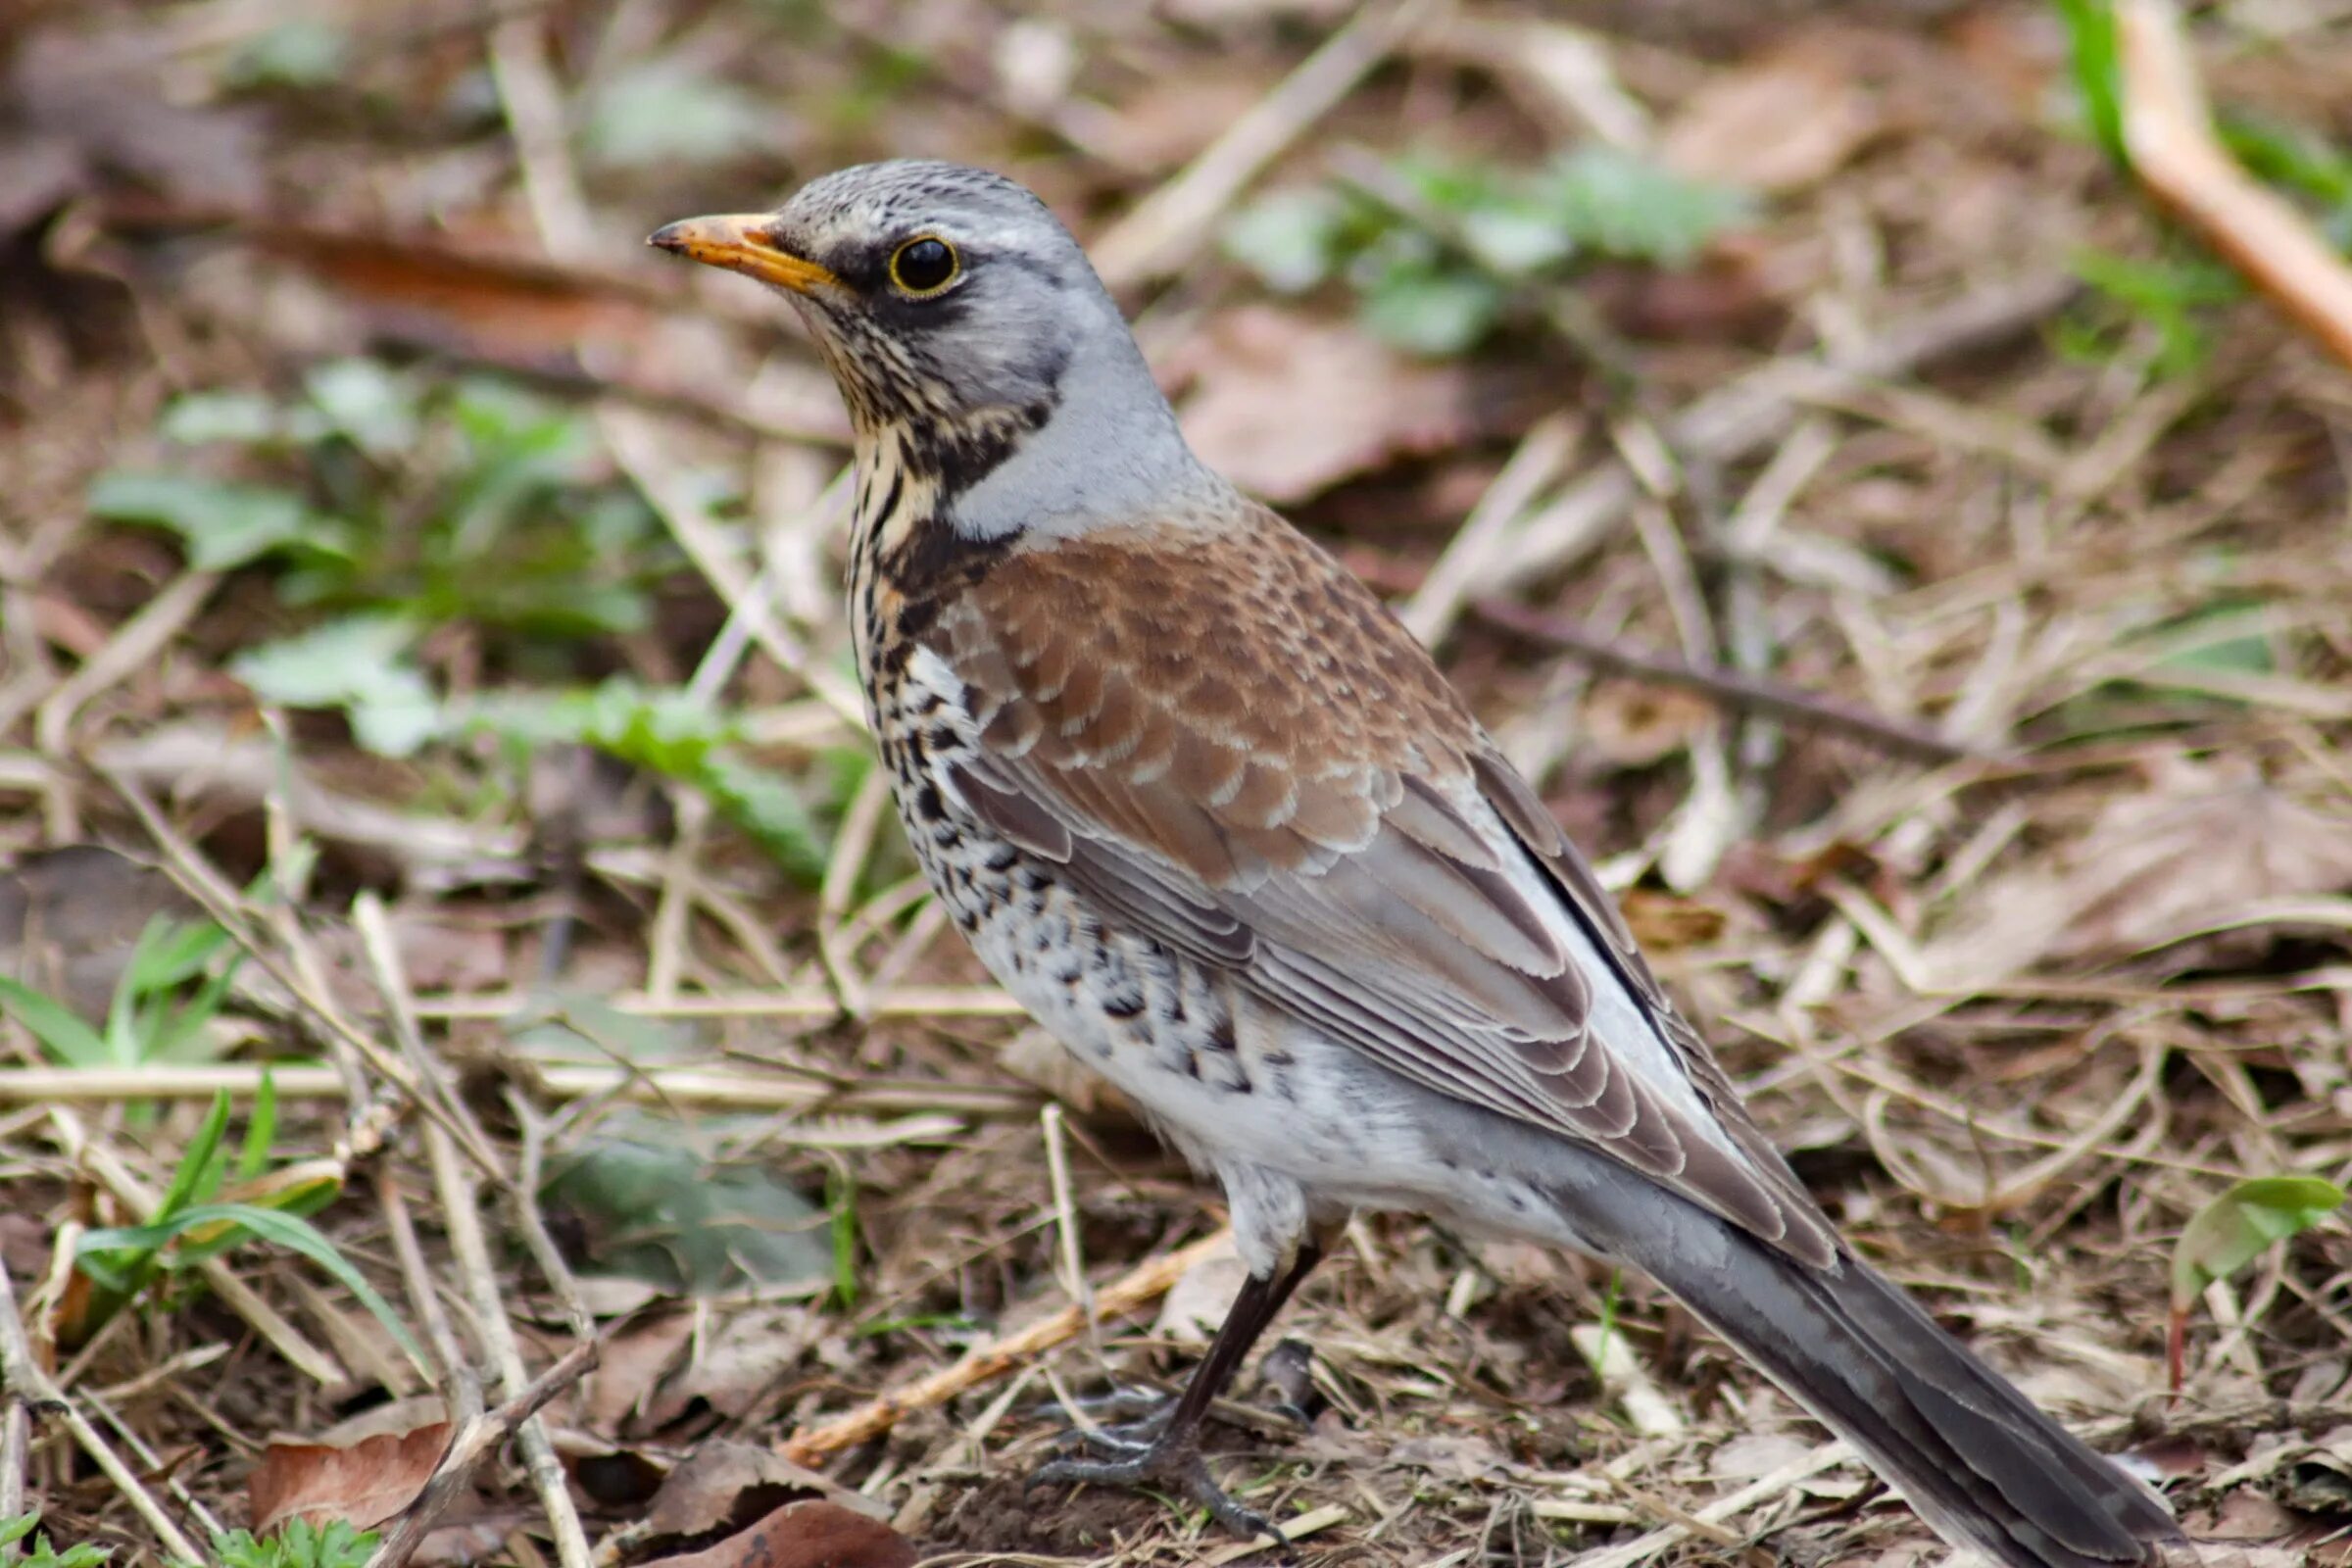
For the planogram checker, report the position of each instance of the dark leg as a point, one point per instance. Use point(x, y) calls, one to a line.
point(1172, 1457)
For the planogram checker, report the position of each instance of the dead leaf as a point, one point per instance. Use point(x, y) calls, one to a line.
point(90, 105)
point(805, 1535)
point(737, 1363)
point(2247, 1515)
point(1666, 922)
point(71, 918)
point(394, 1418)
point(2203, 844)
point(1633, 724)
point(1780, 122)
point(1287, 407)
point(363, 1483)
point(722, 1488)
point(2210, 838)
point(630, 1365)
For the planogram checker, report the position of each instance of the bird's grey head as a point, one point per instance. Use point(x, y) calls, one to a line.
point(971, 340)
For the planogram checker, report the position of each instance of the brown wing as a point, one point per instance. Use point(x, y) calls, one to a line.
point(1232, 745)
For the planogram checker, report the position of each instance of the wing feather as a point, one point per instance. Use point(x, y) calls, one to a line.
point(1367, 864)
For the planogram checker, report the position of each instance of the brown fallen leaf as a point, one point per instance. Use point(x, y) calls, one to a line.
point(479, 295)
point(1635, 724)
point(805, 1535)
point(1780, 122)
point(79, 108)
point(634, 1360)
point(739, 1361)
point(71, 918)
point(1667, 923)
point(727, 1487)
point(2203, 845)
point(364, 1485)
point(1286, 406)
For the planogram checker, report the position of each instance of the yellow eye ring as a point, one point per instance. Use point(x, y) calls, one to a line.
point(924, 266)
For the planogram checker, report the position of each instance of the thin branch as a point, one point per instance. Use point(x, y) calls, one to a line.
point(1726, 686)
point(921, 1104)
point(2168, 132)
point(1748, 414)
point(473, 1444)
point(1169, 228)
point(987, 1363)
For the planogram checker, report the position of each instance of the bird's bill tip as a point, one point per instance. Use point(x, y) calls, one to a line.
point(740, 242)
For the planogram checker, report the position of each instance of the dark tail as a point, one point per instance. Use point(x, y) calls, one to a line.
point(1977, 1459)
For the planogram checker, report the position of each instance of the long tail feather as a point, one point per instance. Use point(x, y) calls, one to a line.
point(1963, 1446)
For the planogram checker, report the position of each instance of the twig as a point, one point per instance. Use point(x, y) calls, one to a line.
point(1760, 1490)
point(1066, 1219)
point(899, 1002)
point(30, 1391)
point(1728, 686)
point(643, 1086)
point(531, 1221)
point(1542, 454)
point(460, 1389)
point(130, 649)
point(2168, 132)
point(1168, 229)
point(462, 1216)
point(992, 1360)
point(1754, 410)
point(475, 1442)
point(226, 907)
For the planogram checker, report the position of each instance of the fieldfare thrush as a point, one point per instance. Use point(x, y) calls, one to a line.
point(1217, 821)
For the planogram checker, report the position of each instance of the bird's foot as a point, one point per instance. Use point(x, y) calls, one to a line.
point(1169, 1460)
point(1121, 1419)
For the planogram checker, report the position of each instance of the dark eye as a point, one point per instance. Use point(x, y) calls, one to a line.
point(923, 266)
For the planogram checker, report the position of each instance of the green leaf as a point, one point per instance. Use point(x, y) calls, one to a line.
point(300, 52)
point(335, 1545)
point(1430, 312)
point(17, 1528)
point(196, 419)
point(841, 1202)
point(1625, 204)
point(261, 1130)
point(58, 1029)
point(1289, 238)
point(664, 1215)
point(2233, 1230)
point(368, 403)
point(196, 1178)
point(222, 524)
point(1518, 239)
point(170, 953)
point(2096, 49)
point(666, 733)
point(768, 810)
point(357, 663)
point(288, 1231)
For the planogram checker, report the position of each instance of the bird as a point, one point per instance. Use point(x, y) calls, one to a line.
point(1210, 812)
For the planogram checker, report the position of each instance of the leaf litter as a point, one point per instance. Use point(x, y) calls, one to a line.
point(2024, 1020)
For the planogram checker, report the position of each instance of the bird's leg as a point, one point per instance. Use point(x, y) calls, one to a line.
point(1170, 1455)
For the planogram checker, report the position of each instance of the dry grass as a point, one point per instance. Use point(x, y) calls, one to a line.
point(2021, 977)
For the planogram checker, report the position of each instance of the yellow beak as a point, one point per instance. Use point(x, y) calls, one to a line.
point(740, 243)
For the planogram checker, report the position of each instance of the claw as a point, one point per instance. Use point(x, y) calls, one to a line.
point(1176, 1466)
